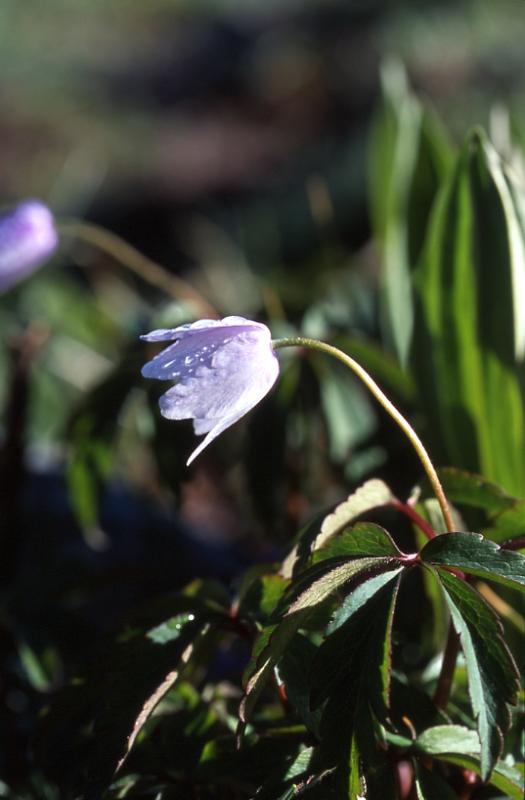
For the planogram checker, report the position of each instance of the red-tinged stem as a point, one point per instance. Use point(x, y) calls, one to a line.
point(416, 518)
point(514, 544)
point(451, 650)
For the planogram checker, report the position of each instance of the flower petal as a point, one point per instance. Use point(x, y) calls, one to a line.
point(224, 368)
point(27, 238)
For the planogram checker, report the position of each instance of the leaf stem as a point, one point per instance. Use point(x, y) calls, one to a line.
point(416, 518)
point(362, 374)
point(141, 265)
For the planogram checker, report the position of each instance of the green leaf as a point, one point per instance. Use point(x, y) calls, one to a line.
point(409, 158)
point(370, 604)
point(350, 673)
point(362, 539)
point(468, 336)
point(383, 366)
point(361, 595)
point(269, 762)
point(448, 739)
point(505, 778)
point(260, 592)
point(372, 494)
point(467, 488)
point(94, 723)
point(347, 423)
point(508, 525)
point(459, 745)
point(93, 430)
point(492, 674)
point(472, 553)
point(41, 668)
point(331, 581)
point(293, 671)
point(274, 640)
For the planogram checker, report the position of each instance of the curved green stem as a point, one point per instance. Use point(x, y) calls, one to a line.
point(141, 265)
point(362, 374)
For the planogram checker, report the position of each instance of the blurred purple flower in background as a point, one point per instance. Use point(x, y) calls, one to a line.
point(27, 239)
point(223, 368)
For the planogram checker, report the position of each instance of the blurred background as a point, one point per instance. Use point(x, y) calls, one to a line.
point(235, 144)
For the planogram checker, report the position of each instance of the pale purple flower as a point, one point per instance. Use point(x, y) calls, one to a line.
point(27, 239)
point(223, 368)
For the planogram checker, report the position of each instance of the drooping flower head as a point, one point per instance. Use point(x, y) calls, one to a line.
point(223, 368)
point(27, 239)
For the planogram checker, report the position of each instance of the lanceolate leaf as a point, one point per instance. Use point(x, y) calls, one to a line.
point(472, 553)
point(492, 674)
point(325, 586)
point(352, 672)
point(356, 599)
point(468, 337)
point(409, 157)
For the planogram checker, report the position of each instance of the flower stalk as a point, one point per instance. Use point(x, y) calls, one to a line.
point(136, 262)
point(362, 374)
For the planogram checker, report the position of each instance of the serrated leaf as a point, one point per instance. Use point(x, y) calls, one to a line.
point(372, 605)
point(362, 539)
point(278, 637)
point(492, 674)
point(475, 555)
point(361, 595)
point(348, 671)
point(380, 689)
point(332, 580)
point(372, 494)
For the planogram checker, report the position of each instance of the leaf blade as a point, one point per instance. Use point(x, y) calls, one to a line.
point(475, 555)
point(492, 674)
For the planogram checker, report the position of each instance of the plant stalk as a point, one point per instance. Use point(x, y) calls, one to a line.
point(444, 684)
point(362, 374)
point(141, 265)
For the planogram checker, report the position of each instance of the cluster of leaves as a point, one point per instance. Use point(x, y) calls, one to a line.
point(328, 709)
point(452, 231)
point(339, 641)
